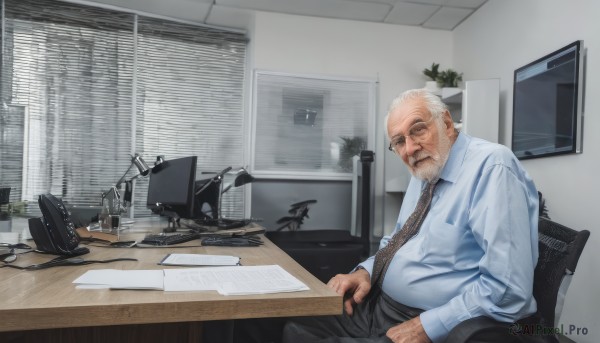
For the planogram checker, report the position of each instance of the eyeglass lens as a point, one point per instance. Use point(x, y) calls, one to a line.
point(416, 133)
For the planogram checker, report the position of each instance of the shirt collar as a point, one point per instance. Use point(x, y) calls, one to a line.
point(455, 158)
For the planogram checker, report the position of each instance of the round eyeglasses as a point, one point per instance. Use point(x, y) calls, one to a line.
point(418, 132)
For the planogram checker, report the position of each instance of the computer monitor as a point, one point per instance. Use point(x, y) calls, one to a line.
point(171, 188)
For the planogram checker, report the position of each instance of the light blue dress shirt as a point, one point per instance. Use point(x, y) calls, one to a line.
point(477, 248)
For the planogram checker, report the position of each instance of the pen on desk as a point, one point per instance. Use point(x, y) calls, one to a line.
point(163, 260)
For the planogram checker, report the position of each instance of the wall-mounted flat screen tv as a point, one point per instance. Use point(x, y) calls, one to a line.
point(547, 104)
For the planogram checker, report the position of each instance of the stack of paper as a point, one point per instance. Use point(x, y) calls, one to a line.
point(199, 260)
point(121, 279)
point(233, 281)
point(237, 280)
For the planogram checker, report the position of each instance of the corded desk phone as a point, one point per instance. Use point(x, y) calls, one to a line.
point(55, 233)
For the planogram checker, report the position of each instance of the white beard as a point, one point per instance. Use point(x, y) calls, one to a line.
point(431, 169)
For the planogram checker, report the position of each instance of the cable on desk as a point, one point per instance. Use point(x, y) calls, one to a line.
point(65, 261)
point(118, 244)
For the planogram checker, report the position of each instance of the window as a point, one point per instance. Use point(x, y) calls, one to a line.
point(66, 81)
point(310, 127)
point(190, 99)
point(83, 88)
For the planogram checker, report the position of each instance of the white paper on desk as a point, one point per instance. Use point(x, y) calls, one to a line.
point(121, 279)
point(200, 260)
point(192, 279)
point(261, 280)
point(237, 280)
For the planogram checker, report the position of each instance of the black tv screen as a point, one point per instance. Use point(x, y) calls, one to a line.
point(547, 104)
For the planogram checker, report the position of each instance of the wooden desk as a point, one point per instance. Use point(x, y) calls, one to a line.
point(47, 299)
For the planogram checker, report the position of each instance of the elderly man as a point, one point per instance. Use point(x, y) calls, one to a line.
point(465, 244)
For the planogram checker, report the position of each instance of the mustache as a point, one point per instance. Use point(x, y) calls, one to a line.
point(420, 155)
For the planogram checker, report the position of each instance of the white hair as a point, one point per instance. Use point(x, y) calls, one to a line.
point(433, 103)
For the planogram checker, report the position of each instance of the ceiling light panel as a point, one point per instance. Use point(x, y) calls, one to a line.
point(405, 13)
point(390, 2)
point(427, 2)
point(353, 10)
point(447, 18)
point(465, 3)
point(190, 10)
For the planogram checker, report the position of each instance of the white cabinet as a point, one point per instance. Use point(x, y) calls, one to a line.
point(476, 108)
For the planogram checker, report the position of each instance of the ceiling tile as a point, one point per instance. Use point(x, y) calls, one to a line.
point(390, 2)
point(438, 14)
point(428, 2)
point(405, 13)
point(353, 10)
point(229, 17)
point(447, 18)
point(464, 3)
point(190, 10)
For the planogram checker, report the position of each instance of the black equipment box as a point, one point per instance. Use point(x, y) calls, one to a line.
point(324, 253)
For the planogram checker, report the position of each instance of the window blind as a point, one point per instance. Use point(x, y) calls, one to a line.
point(70, 69)
point(189, 100)
point(79, 96)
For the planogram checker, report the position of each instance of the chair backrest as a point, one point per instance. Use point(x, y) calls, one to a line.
point(559, 251)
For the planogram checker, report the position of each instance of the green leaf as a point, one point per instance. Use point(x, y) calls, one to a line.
point(449, 78)
point(433, 72)
point(352, 146)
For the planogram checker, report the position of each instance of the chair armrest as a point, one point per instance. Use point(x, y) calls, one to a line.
point(482, 329)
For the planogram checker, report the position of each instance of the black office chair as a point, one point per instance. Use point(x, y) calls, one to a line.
point(559, 251)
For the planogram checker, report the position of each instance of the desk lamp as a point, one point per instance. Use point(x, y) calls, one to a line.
point(240, 178)
point(208, 196)
point(113, 205)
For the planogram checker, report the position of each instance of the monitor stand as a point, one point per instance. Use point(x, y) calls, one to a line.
point(173, 224)
point(173, 217)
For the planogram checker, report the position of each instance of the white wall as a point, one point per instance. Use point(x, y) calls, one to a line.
point(506, 34)
point(395, 55)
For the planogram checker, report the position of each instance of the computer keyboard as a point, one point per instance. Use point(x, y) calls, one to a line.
point(232, 223)
point(176, 238)
point(223, 223)
point(249, 241)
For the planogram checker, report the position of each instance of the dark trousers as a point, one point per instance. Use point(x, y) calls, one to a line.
point(369, 323)
point(258, 330)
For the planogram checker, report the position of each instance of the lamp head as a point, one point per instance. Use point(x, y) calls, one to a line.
point(140, 164)
point(242, 178)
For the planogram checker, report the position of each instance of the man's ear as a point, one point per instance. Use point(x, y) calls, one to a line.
point(448, 122)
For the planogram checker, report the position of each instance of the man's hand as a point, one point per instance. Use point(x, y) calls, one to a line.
point(354, 287)
point(409, 331)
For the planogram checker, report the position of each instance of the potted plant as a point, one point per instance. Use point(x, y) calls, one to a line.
point(352, 146)
point(433, 74)
point(449, 78)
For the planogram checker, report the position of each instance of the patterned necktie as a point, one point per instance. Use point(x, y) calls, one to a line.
point(384, 256)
